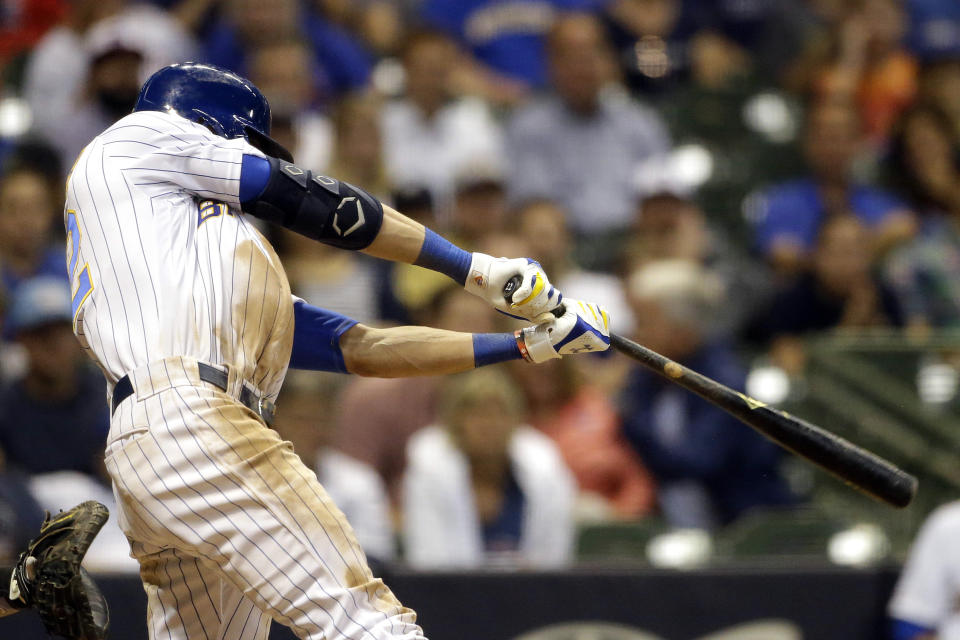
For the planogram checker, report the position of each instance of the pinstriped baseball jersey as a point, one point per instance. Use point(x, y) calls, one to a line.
point(162, 263)
point(230, 528)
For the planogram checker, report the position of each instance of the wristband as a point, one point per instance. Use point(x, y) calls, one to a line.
point(490, 348)
point(521, 344)
point(439, 254)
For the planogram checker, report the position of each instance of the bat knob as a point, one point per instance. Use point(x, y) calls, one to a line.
point(511, 287)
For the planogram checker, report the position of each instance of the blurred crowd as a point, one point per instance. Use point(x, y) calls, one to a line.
point(726, 177)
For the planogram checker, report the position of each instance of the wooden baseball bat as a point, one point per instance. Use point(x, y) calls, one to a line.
point(857, 467)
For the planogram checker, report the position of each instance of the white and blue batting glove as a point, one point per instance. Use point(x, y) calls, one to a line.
point(583, 328)
point(534, 296)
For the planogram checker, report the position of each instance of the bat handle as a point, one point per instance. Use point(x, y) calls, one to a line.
point(514, 283)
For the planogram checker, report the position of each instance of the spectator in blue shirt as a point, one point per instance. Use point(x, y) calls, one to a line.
point(791, 213)
point(54, 418)
point(343, 62)
point(507, 36)
point(709, 468)
point(838, 291)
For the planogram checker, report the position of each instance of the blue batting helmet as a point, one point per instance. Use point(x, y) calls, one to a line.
point(224, 102)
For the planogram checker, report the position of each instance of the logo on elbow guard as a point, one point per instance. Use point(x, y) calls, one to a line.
point(348, 217)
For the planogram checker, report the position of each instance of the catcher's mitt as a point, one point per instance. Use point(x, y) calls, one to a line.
point(48, 576)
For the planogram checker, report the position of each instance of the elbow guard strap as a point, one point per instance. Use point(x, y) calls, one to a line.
point(319, 207)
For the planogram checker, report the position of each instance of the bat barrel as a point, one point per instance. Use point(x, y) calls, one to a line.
point(852, 464)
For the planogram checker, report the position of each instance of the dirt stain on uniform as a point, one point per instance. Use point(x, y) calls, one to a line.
point(360, 578)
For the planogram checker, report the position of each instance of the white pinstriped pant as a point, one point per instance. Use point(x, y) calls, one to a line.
point(230, 528)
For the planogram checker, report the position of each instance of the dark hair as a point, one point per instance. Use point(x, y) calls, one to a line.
point(665, 198)
point(520, 208)
point(566, 17)
point(899, 168)
point(37, 157)
point(420, 36)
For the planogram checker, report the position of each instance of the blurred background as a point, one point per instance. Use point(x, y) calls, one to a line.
point(767, 191)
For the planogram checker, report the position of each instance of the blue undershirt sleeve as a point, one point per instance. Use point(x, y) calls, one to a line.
point(905, 630)
point(254, 174)
point(316, 338)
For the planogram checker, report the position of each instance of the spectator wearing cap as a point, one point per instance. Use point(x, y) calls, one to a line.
point(57, 65)
point(790, 214)
point(429, 134)
point(53, 418)
point(709, 469)
point(112, 86)
point(28, 205)
point(479, 201)
point(583, 142)
point(59, 83)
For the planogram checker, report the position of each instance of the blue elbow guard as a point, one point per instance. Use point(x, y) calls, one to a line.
point(322, 208)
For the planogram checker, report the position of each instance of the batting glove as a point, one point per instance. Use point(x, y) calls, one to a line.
point(584, 327)
point(534, 297)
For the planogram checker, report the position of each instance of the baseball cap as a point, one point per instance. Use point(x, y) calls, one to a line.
point(478, 173)
point(108, 37)
point(39, 301)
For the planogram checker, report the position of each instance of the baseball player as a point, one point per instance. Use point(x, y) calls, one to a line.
point(187, 310)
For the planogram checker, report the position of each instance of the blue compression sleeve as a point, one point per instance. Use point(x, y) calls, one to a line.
point(316, 338)
point(490, 348)
point(254, 174)
point(903, 630)
point(439, 254)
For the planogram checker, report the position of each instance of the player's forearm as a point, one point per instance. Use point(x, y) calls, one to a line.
point(404, 240)
point(400, 238)
point(341, 215)
point(421, 351)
